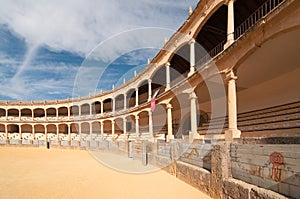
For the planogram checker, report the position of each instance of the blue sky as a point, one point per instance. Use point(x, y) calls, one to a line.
point(63, 49)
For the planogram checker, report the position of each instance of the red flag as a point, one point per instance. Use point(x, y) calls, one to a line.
point(152, 102)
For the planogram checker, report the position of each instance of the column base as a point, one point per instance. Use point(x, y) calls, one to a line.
point(228, 43)
point(191, 72)
point(231, 134)
point(170, 137)
point(194, 136)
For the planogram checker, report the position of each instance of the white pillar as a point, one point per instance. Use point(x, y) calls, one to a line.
point(33, 131)
point(137, 130)
point(193, 133)
point(101, 103)
point(192, 57)
point(69, 112)
point(46, 133)
point(149, 90)
point(79, 131)
point(167, 76)
point(6, 131)
point(69, 132)
point(124, 127)
point(56, 114)
point(91, 130)
point(6, 114)
point(169, 118)
point(20, 114)
point(91, 109)
point(45, 110)
point(79, 110)
point(232, 131)
point(136, 97)
point(230, 24)
point(57, 132)
point(20, 131)
point(113, 127)
point(125, 102)
point(32, 113)
point(150, 123)
point(113, 105)
point(101, 129)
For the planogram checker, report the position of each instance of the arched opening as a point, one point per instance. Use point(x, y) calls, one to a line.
point(212, 35)
point(63, 132)
point(85, 109)
point(26, 112)
point(2, 112)
point(26, 131)
point(130, 98)
point(96, 107)
point(85, 128)
point(74, 110)
point(107, 127)
point(62, 111)
point(2, 128)
point(119, 102)
point(13, 112)
point(107, 105)
point(159, 80)
point(51, 132)
point(180, 65)
point(143, 92)
point(119, 126)
point(180, 107)
point(51, 112)
point(143, 122)
point(39, 112)
point(130, 124)
point(159, 116)
point(39, 132)
point(96, 128)
point(13, 131)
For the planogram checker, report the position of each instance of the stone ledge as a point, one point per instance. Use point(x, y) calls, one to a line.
point(195, 176)
point(238, 189)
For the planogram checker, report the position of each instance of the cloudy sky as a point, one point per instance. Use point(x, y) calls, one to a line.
point(61, 49)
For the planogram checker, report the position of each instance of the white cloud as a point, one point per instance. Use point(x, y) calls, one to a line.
point(79, 25)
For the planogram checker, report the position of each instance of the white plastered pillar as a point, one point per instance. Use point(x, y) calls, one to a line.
point(232, 131)
point(170, 135)
point(230, 23)
point(192, 57)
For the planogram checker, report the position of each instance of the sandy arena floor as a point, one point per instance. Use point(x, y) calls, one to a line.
point(54, 173)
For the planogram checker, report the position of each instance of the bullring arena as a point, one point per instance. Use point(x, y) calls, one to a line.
point(226, 121)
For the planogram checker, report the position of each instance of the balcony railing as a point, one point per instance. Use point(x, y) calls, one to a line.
point(259, 14)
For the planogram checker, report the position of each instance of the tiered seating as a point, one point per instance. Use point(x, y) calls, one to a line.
point(146, 136)
point(40, 136)
point(14, 136)
point(132, 136)
point(283, 120)
point(2, 136)
point(121, 137)
point(52, 136)
point(63, 136)
point(75, 136)
point(27, 136)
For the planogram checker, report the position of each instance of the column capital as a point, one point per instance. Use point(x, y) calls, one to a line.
point(193, 95)
point(192, 41)
point(136, 89)
point(229, 1)
point(113, 121)
point(230, 75)
point(137, 117)
point(149, 81)
point(168, 64)
point(169, 106)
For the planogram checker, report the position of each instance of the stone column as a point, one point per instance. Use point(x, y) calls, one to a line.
point(69, 112)
point(56, 113)
point(136, 97)
point(113, 105)
point(101, 129)
point(69, 132)
point(125, 102)
point(79, 110)
point(137, 130)
point(46, 133)
point(192, 57)
point(113, 127)
point(79, 131)
point(6, 114)
point(33, 131)
point(57, 132)
point(91, 109)
point(230, 23)
point(20, 131)
point(91, 130)
point(193, 109)
point(232, 131)
point(101, 103)
point(168, 76)
point(149, 90)
point(6, 132)
point(124, 127)
point(150, 124)
point(170, 135)
point(32, 113)
point(46, 117)
point(20, 114)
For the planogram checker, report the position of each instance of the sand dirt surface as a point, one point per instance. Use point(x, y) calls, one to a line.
point(62, 173)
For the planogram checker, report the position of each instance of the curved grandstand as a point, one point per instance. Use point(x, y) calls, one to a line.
point(230, 72)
